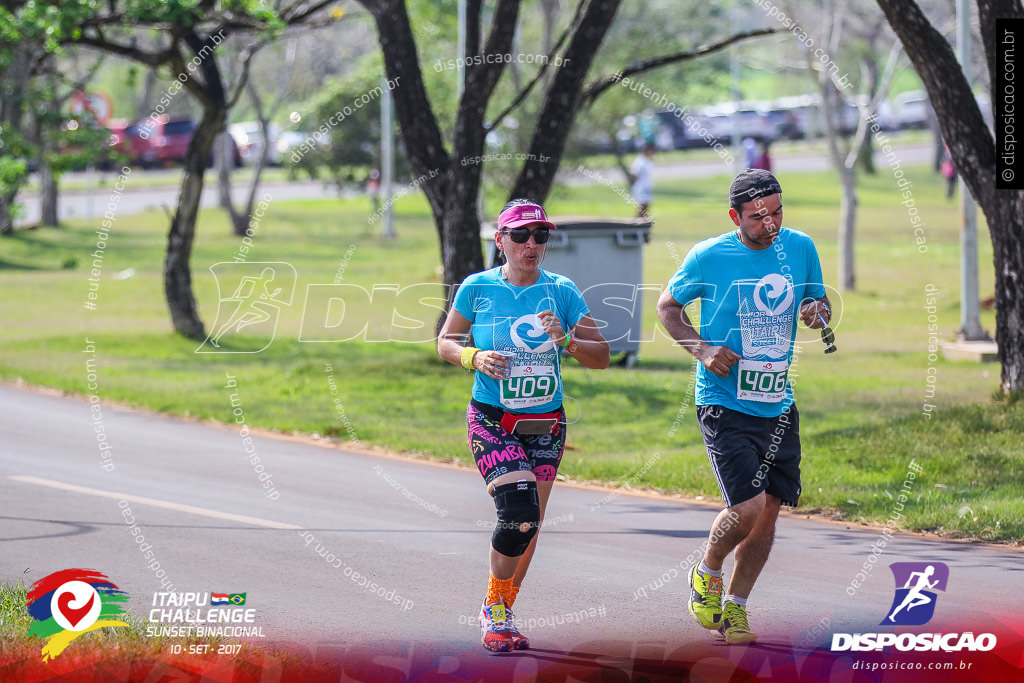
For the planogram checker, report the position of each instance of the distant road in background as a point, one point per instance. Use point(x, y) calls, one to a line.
point(76, 204)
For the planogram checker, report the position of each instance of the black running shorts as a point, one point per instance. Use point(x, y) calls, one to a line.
point(753, 454)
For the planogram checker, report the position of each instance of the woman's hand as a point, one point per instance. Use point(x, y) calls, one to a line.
point(552, 325)
point(494, 364)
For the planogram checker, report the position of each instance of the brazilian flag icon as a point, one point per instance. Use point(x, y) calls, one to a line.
point(237, 598)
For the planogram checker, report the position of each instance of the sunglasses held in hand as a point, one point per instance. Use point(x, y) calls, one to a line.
point(522, 235)
point(828, 336)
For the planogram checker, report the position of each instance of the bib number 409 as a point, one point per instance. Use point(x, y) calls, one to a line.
point(528, 387)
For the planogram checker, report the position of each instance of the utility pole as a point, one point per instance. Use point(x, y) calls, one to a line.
point(387, 153)
point(970, 322)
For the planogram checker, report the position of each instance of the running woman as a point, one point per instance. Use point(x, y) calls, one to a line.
point(521, 317)
point(752, 282)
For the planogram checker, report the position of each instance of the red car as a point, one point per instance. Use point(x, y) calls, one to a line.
point(168, 141)
point(125, 139)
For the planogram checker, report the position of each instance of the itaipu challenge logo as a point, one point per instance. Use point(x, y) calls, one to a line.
point(72, 602)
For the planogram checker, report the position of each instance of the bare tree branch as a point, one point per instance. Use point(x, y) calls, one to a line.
point(592, 91)
point(540, 71)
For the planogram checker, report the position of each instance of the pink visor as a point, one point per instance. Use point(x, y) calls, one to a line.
point(523, 214)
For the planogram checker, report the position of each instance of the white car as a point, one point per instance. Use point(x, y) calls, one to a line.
point(912, 109)
point(249, 139)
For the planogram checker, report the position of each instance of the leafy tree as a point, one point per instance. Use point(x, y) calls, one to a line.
point(973, 148)
point(183, 38)
point(453, 176)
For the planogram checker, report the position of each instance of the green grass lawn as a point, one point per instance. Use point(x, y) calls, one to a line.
point(862, 407)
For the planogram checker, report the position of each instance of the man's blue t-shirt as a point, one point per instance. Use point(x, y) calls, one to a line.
point(750, 301)
point(505, 319)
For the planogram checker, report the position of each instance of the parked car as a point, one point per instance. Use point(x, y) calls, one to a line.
point(912, 109)
point(723, 121)
point(786, 124)
point(169, 139)
point(289, 140)
point(671, 133)
point(125, 138)
point(249, 140)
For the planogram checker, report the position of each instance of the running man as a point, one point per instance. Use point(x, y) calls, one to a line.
point(915, 596)
point(253, 304)
point(751, 283)
point(519, 316)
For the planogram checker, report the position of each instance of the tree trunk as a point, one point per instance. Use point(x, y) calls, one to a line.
point(549, 10)
point(866, 153)
point(222, 164)
point(561, 102)
point(7, 212)
point(973, 150)
point(451, 187)
point(240, 219)
point(177, 270)
point(143, 105)
point(14, 80)
point(847, 229)
point(848, 183)
point(48, 195)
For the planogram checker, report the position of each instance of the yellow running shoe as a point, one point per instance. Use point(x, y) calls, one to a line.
point(705, 603)
point(734, 624)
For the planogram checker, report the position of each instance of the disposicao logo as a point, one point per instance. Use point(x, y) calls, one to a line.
point(913, 605)
point(71, 602)
point(916, 583)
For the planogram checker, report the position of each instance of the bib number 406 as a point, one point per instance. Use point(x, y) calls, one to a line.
point(763, 382)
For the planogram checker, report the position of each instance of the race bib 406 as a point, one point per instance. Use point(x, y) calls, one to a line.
point(763, 381)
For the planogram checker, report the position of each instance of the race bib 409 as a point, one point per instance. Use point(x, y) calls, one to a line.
point(528, 385)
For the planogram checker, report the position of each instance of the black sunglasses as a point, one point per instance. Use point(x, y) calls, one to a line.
point(522, 235)
point(828, 336)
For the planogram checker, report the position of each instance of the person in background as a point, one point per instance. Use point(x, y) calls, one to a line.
point(749, 151)
point(948, 171)
point(764, 159)
point(641, 179)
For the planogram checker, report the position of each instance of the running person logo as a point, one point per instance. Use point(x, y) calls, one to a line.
point(250, 299)
point(916, 583)
point(69, 603)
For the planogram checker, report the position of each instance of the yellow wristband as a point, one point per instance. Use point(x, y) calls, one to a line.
point(468, 354)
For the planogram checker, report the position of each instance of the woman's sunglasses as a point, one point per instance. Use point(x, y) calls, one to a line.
point(522, 235)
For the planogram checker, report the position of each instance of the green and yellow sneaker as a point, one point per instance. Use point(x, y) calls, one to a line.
point(734, 624)
point(705, 603)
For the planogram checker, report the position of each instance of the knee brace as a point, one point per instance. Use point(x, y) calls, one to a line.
point(518, 517)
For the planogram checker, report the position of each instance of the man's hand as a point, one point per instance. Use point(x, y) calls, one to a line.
point(718, 359)
point(809, 314)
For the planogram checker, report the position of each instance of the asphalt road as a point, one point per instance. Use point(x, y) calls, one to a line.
point(83, 204)
point(420, 530)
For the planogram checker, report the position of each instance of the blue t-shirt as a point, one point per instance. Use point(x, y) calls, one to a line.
point(749, 301)
point(505, 319)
